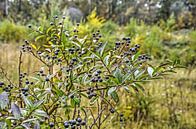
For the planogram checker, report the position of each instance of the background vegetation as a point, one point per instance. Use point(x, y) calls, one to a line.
point(164, 29)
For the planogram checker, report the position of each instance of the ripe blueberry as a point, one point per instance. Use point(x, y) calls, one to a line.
point(112, 110)
point(1, 83)
point(51, 124)
point(66, 124)
point(79, 119)
point(72, 122)
point(83, 123)
point(47, 79)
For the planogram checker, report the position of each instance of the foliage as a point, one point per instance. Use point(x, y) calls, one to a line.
point(192, 38)
point(169, 24)
point(159, 40)
point(93, 23)
point(94, 20)
point(162, 41)
point(118, 11)
point(148, 36)
point(110, 30)
point(10, 31)
point(79, 82)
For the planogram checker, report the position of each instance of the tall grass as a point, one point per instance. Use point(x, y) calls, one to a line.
point(165, 104)
point(9, 56)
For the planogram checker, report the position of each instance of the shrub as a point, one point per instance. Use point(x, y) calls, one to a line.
point(79, 83)
point(10, 31)
point(110, 30)
point(149, 37)
point(93, 23)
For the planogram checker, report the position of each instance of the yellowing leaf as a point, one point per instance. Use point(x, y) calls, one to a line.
point(33, 46)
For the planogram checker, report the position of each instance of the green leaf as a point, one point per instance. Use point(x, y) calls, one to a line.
point(115, 97)
point(33, 46)
point(28, 103)
point(8, 123)
point(77, 44)
point(21, 127)
point(39, 37)
point(138, 73)
point(84, 78)
point(73, 103)
point(40, 113)
point(106, 60)
point(126, 77)
point(4, 100)
point(111, 90)
point(101, 50)
point(83, 40)
point(30, 120)
point(118, 75)
point(58, 91)
point(95, 54)
point(137, 86)
point(134, 57)
point(11, 118)
point(126, 89)
point(77, 100)
point(93, 100)
point(150, 71)
point(158, 69)
point(3, 125)
point(49, 29)
point(37, 104)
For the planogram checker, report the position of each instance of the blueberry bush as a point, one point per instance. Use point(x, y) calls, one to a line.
point(79, 83)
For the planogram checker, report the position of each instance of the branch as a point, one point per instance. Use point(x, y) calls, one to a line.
point(6, 77)
point(19, 69)
point(99, 115)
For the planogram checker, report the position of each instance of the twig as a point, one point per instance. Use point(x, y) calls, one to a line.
point(93, 117)
point(74, 113)
point(105, 118)
point(19, 70)
point(39, 58)
point(106, 66)
point(19, 73)
point(6, 77)
point(98, 116)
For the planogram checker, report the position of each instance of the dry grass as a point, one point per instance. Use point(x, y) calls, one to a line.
point(173, 103)
point(168, 103)
point(9, 56)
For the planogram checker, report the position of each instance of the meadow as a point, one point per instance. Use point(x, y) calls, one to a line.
point(97, 74)
point(167, 103)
